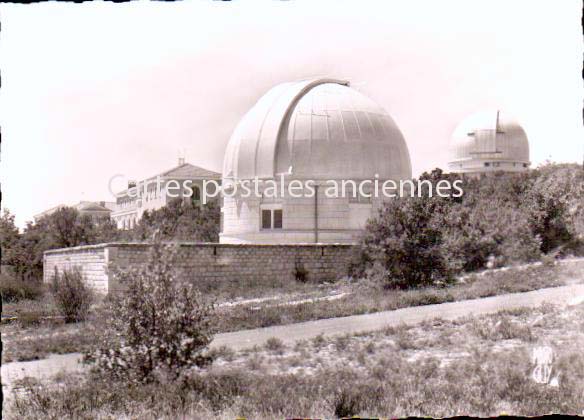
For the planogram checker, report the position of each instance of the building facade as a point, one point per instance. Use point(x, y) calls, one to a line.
point(157, 191)
point(317, 130)
point(96, 210)
point(488, 142)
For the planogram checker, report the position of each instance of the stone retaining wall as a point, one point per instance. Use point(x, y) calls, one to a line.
point(205, 262)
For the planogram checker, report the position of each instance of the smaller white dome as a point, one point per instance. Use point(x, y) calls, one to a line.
point(489, 141)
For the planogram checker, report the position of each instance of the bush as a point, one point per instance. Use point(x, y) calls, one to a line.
point(300, 272)
point(499, 220)
point(404, 243)
point(490, 229)
point(274, 344)
point(72, 297)
point(548, 205)
point(347, 403)
point(14, 290)
point(157, 328)
point(180, 220)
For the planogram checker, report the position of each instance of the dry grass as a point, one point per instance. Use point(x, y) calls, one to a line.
point(34, 340)
point(469, 366)
point(40, 342)
point(366, 297)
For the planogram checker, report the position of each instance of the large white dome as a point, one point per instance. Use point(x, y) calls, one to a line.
point(489, 140)
point(316, 129)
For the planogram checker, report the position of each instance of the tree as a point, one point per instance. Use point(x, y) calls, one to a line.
point(427, 240)
point(180, 220)
point(158, 327)
point(554, 204)
point(61, 229)
point(29, 252)
point(404, 243)
point(9, 238)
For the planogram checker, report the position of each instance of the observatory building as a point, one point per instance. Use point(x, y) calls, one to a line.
point(489, 141)
point(316, 130)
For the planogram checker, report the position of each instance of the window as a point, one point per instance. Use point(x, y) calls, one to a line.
point(355, 195)
point(196, 196)
point(266, 219)
point(272, 218)
point(196, 193)
point(277, 219)
point(487, 164)
point(221, 220)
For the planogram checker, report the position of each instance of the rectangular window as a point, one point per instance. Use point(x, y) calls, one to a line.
point(351, 193)
point(365, 198)
point(272, 218)
point(277, 219)
point(355, 196)
point(266, 219)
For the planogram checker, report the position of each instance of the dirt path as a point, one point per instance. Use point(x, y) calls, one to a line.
point(360, 323)
point(306, 330)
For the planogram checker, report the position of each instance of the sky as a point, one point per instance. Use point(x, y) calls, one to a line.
point(93, 90)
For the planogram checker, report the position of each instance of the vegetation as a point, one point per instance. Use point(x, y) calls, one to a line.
point(61, 229)
point(14, 290)
point(438, 368)
point(180, 220)
point(35, 337)
point(369, 297)
point(159, 326)
point(72, 296)
point(499, 220)
point(49, 335)
point(38, 329)
point(9, 238)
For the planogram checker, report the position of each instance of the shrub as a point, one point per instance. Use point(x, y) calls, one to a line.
point(275, 345)
point(180, 220)
point(342, 342)
point(404, 241)
point(223, 352)
point(554, 203)
point(300, 272)
point(158, 327)
point(547, 205)
point(487, 229)
point(503, 329)
point(72, 297)
point(500, 219)
point(347, 403)
point(359, 260)
point(65, 227)
point(14, 290)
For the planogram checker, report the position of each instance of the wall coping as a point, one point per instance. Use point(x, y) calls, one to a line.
point(192, 244)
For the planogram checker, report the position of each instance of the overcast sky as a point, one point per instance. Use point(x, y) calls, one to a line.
point(97, 89)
